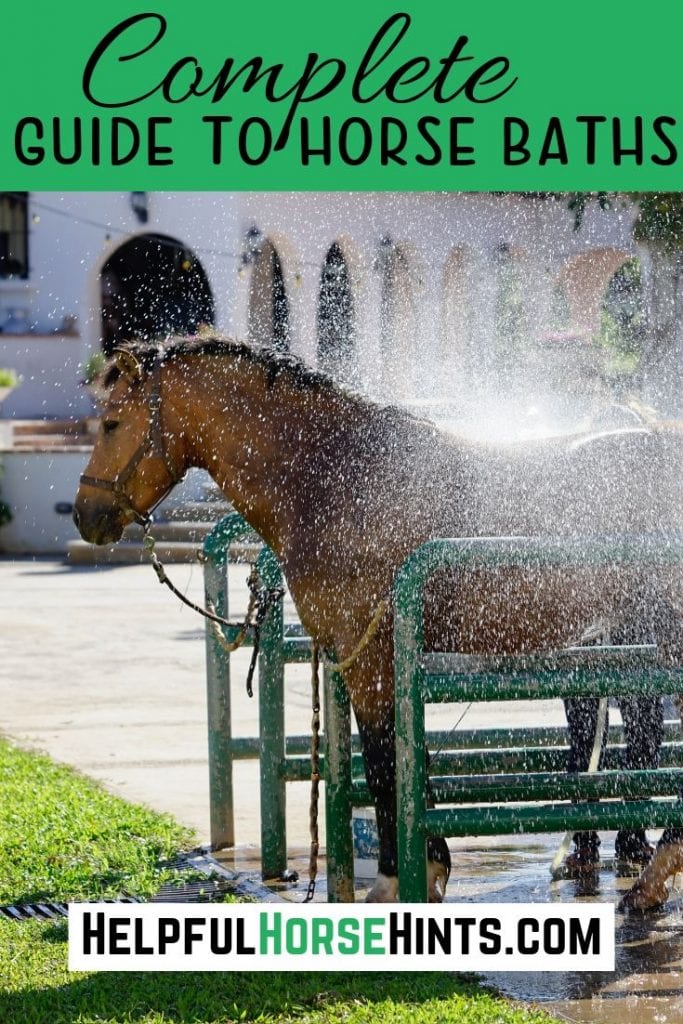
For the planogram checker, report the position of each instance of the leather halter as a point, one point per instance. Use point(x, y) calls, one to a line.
point(152, 446)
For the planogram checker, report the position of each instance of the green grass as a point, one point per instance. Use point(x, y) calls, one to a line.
point(62, 837)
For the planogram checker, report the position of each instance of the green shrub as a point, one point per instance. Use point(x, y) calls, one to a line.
point(8, 378)
point(93, 367)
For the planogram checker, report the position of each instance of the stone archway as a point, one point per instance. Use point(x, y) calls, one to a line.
point(268, 302)
point(398, 322)
point(150, 287)
point(336, 319)
point(584, 280)
point(456, 338)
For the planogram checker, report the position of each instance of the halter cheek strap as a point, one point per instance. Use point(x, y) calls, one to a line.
point(153, 446)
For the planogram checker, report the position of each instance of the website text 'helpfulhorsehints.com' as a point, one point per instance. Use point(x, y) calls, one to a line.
point(406, 937)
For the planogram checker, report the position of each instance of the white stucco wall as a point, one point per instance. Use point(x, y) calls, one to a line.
point(72, 236)
point(33, 483)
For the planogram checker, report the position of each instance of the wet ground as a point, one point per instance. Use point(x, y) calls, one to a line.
point(647, 985)
point(645, 988)
point(102, 670)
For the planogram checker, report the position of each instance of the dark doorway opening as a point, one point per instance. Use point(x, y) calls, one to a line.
point(153, 286)
point(336, 343)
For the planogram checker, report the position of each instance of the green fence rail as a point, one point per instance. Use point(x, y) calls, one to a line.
point(538, 799)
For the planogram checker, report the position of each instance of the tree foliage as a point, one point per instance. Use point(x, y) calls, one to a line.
point(660, 215)
point(660, 220)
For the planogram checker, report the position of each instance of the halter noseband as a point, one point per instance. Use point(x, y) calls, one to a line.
point(153, 446)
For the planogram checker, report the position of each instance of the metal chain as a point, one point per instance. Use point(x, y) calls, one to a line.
point(261, 600)
point(315, 772)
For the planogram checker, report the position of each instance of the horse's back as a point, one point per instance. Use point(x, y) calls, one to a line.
point(624, 481)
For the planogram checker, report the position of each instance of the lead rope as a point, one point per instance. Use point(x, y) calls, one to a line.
point(315, 773)
point(369, 634)
point(149, 545)
point(318, 657)
point(261, 600)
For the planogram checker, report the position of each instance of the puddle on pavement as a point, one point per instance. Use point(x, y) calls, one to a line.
point(647, 985)
point(645, 988)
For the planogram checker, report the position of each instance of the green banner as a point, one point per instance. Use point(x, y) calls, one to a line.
point(352, 95)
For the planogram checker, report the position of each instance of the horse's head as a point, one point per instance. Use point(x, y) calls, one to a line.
point(138, 456)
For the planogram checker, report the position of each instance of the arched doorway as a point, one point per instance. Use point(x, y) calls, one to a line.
point(268, 302)
point(585, 279)
point(336, 342)
point(511, 316)
point(398, 322)
point(457, 311)
point(153, 286)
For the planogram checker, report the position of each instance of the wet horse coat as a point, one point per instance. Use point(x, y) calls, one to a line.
point(343, 490)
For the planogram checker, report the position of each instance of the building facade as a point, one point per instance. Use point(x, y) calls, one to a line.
point(402, 295)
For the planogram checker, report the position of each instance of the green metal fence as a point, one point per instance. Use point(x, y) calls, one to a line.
point(282, 759)
point(536, 798)
point(497, 770)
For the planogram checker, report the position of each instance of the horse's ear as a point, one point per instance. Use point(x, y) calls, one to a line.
point(128, 364)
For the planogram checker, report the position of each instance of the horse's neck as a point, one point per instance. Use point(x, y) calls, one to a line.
point(259, 441)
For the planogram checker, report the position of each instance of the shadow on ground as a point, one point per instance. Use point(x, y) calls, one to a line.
point(185, 998)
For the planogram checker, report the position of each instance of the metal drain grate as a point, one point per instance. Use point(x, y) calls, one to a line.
point(194, 892)
point(46, 911)
point(219, 882)
point(39, 911)
point(191, 892)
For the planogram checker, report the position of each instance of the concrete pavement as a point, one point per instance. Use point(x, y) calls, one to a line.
point(104, 669)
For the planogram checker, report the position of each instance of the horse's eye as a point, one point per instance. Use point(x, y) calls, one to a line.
point(109, 426)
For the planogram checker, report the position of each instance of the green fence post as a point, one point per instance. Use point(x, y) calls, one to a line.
point(215, 553)
point(271, 685)
point(221, 803)
point(338, 802)
point(411, 768)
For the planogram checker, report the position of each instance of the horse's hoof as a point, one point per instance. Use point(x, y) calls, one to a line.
point(650, 891)
point(584, 862)
point(642, 898)
point(632, 852)
point(437, 880)
point(385, 890)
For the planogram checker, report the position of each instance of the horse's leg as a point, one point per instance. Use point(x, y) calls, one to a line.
point(582, 721)
point(643, 719)
point(379, 756)
point(370, 683)
point(650, 890)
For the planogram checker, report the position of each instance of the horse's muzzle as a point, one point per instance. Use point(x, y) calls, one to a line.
point(98, 523)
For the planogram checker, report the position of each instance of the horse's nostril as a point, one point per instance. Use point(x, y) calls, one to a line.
point(76, 517)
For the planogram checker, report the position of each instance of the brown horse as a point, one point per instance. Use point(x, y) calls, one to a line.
point(343, 490)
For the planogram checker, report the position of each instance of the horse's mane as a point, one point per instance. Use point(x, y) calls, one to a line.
point(274, 362)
